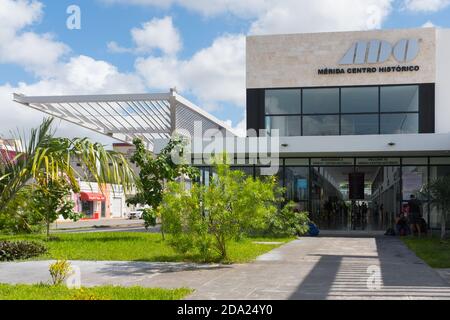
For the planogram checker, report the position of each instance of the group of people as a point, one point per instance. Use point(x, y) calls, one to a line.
point(410, 220)
point(359, 215)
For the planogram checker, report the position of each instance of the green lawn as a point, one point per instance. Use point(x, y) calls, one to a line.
point(431, 250)
point(133, 246)
point(47, 292)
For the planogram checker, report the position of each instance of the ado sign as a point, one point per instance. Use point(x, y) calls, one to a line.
point(379, 51)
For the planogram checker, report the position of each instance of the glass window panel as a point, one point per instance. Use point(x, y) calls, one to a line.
point(416, 161)
point(327, 125)
point(316, 101)
point(358, 100)
point(414, 180)
point(296, 162)
point(288, 126)
point(359, 124)
point(283, 101)
point(401, 98)
point(297, 183)
point(332, 162)
point(263, 172)
point(440, 160)
point(399, 123)
point(377, 161)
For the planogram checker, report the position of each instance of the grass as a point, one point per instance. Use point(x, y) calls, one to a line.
point(133, 246)
point(47, 292)
point(433, 251)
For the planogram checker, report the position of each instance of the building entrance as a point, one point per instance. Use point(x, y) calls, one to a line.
point(355, 198)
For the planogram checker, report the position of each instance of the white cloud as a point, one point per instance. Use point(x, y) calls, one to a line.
point(114, 47)
point(287, 16)
point(215, 74)
point(42, 55)
point(292, 16)
point(425, 5)
point(245, 9)
point(80, 75)
point(38, 53)
point(15, 15)
point(428, 24)
point(157, 34)
point(240, 128)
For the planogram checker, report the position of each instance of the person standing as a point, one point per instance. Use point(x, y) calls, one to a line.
point(415, 214)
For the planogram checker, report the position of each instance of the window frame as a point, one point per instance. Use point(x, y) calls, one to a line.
point(379, 113)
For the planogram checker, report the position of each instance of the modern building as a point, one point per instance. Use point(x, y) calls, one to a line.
point(364, 119)
point(100, 203)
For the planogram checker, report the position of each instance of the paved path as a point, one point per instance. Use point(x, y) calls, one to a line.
point(103, 225)
point(67, 225)
point(310, 268)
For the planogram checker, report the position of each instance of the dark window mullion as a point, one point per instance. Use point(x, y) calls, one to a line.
point(340, 111)
point(379, 110)
point(301, 111)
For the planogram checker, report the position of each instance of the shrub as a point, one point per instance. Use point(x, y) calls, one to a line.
point(150, 216)
point(17, 250)
point(60, 271)
point(208, 217)
point(19, 216)
point(288, 221)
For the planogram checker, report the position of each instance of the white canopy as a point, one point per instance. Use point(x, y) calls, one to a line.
point(128, 116)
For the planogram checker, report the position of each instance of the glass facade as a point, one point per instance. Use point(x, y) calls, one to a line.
point(356, 193)
point(343, 111)
point(321, 125)
point(279, 102)
point(320, 101)
point(287, 126)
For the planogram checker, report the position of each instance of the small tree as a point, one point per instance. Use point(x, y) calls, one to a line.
point(210, 216)
point(439, 193)
point(155, 173)
point(52, 199)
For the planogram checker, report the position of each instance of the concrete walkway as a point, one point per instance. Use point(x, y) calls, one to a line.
point(310, 268)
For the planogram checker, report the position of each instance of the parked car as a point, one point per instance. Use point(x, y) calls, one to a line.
point(136, 214)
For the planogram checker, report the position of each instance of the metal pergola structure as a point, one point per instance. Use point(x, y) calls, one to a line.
point(128, 116)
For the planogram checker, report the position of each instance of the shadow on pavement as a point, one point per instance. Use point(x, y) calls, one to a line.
point(394, 272)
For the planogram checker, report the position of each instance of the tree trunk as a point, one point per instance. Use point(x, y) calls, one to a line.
point(48, 229)
point(443, 220)
point(163, 234)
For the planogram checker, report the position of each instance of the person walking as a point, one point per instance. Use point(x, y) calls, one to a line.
point(415, 215)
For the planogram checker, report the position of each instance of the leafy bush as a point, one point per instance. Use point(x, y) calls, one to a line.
point(206, 218)
point(150, 216)
point(19, 216)
point(60, 271)
point(17, 250)
point(288, 221)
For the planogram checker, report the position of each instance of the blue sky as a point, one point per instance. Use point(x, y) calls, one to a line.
point(196, 45)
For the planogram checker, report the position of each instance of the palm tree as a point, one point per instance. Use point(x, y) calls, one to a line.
point(439, 193)
point(45, 158)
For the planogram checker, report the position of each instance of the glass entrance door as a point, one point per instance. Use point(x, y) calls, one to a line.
point(364, 198)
